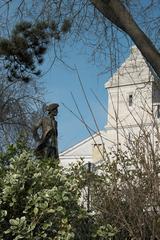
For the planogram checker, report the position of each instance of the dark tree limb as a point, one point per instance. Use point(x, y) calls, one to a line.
point(117, 13)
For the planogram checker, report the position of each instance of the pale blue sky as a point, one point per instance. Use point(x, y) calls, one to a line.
point(60, 81)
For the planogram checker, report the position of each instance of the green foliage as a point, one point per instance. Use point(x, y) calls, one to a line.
point(26, 48)
point(106, 232)
point(39, 200)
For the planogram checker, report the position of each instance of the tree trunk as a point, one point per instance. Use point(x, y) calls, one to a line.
point(117, 13)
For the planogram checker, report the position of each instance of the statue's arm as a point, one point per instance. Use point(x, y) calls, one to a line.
point(35, 130)
point(56, 130)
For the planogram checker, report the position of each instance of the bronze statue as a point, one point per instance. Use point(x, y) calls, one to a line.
point(47, 142)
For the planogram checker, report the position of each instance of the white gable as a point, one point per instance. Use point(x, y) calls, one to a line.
point(134, 70)
point(84, 149)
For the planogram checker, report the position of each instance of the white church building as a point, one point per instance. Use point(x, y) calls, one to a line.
point(133, 110)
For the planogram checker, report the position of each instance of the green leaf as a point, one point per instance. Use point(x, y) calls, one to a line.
point(23, 219)
point(31, 227)
point(46, 225)
point(18, 237)
point(14, 222)
point(7, 231)
point(50, 211)
point(35, 211)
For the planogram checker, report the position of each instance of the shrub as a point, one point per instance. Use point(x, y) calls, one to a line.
point(39, 200)
point(126, 191)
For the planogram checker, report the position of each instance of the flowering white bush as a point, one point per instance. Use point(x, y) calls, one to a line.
point(39, 200)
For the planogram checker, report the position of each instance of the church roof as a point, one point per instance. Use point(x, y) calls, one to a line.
point(84, 148)
point(134, 70)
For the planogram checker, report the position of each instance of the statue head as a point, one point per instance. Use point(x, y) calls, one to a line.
point(52, 109)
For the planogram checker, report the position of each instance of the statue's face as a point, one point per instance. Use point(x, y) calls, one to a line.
point(53, 113)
